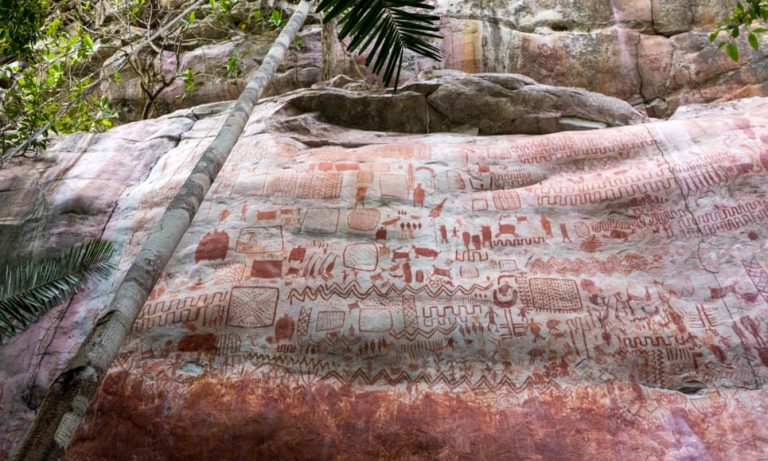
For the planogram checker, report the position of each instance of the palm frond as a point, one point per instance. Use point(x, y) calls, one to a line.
point(28, 290)
point(385, 29)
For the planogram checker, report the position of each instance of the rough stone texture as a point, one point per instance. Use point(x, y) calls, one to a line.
point(349, 294)
point(113, 185)
point(652, 53)
point(459, 102)
point(639, 51)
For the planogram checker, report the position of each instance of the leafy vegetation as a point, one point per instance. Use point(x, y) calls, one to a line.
point(31, 289)
point(51, 53)
point(21, 22)
point(740, 23)
point(47, 90)
point(384, 29)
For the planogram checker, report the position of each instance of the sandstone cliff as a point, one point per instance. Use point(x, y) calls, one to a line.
point(353, 294)
point(653, 54)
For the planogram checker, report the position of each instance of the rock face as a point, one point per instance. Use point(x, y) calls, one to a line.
point(352, 294)
point(478, 103)
point(113, 185)
point(652, 53)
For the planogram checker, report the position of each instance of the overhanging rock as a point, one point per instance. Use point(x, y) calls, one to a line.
point(477, 103)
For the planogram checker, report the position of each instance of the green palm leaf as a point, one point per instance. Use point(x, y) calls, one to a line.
point(28, 290)
point(385, 28)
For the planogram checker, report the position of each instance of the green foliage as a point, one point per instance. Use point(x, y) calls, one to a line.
point(256, 18)
point(21, 22)
point(384, 29)
point(29, 290)
point(276, 18)
point(50, 91)
point(234, 68)
point(189, 78)
point(221, 8)
point(131, 8)
point(740, 21)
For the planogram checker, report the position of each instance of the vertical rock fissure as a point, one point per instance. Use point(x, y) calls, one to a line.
point(698, 251)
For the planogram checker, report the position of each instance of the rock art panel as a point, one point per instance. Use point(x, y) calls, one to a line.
point(600, 293)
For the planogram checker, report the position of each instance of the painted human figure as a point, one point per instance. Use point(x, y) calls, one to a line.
point(418, 196)
point(466, 237)
point(360, 196)
point(487, 235)
point(407, 274)
point(476, 243)
point(546, 225)
point(564, 232)
point(491, 316)
point(535, 328)
point(443, 234)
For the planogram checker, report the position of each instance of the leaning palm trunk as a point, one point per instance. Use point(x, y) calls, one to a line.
point(72, 391)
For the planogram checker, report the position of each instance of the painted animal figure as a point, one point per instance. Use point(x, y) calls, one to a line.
point(379, 277)
point(406, 255)
point(620, 234)
point(441, 272)
point(390, 222)
point(425, 252)
point(507, 229)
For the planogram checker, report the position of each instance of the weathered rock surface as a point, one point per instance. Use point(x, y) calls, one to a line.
point(350, 294)
point(652, 53)
point(113, 185)
point(478, 103)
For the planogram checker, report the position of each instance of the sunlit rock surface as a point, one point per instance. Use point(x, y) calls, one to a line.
point(350, 294)
point(652, 53)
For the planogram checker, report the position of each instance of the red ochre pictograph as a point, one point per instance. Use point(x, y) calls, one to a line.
point(612, 279)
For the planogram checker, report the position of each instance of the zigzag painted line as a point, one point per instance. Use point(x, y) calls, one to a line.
point(420, 332)
point(422, 378)
point(328, 340)
point(625, 264)
point(283, 360)
point(327, 291)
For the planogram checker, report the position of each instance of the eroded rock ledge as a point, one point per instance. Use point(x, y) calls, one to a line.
point(453, 101)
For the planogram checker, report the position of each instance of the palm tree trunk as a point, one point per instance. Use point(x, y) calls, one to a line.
point(72, 391)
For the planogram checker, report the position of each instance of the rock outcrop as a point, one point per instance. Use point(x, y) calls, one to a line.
point(353, 294)
point(653, 54)
point(471, 103)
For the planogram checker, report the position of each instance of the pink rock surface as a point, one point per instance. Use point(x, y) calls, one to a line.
point(113, 186)
point(345, 294)
point(651, 53)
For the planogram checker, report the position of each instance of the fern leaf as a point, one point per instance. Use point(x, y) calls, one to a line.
point(29, 290)
point(385, 29)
